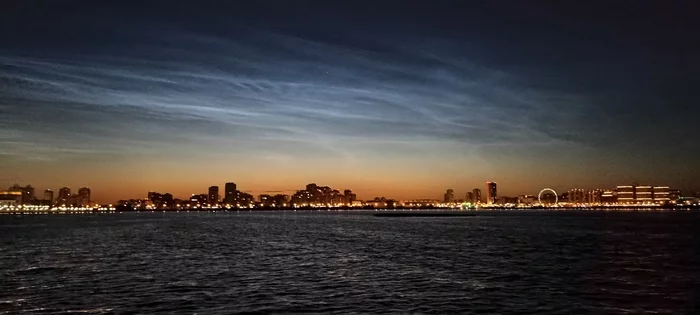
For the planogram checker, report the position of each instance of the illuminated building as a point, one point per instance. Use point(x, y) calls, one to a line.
point(643, 194)
point(48, 195)
point(200, 199)
point(27, 193)
point(213, 196)
point(10, 197)
point(159, 201)
point(449, 196)
point(477, 195)
point(577, 195)
point(625, 194)
point(230, 193)
point(608, 196)
point(280, 200)
point(83, 197)
point(526, 199)
point(594, 196)
point(265, 200)
point(661, 194)
point(245, 199)
point(491, 193)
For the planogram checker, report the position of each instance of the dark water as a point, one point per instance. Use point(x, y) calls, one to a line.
point(216, 263)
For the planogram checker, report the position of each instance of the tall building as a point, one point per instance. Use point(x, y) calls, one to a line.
point(63, 195)
point(577, 195)
point(594, 196)
point(48, 195)
point(470, 197)
point(213, 196)
point(491, 193)
point(349, 197)
point(449, 196)
point(230, 193)
point(477, 195)
point(84, 196)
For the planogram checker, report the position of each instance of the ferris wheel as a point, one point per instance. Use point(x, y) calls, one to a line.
point(556, 197)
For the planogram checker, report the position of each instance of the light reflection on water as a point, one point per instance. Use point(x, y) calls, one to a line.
point(538, 262)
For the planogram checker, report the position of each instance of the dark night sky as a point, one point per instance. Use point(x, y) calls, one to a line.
point(395, 98)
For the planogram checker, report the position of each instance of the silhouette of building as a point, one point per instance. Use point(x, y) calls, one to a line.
point(48, 196)
point(491, 193)
point(477, 195)
point(349, 197)
point(83, 196)
point(674, 194)
point(63, 195)
point(449, 196)
point(26, 193)
point(265, 200)
point(230, 193)
point(245, 199)
point(281, 200)
point(199, 200)
point(527, 199)
point(470, 197)
point(213, 196)
point(160, 201)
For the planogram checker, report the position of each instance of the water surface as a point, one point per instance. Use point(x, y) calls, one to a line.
point(222, 263)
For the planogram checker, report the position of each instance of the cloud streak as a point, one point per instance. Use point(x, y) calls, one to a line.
point(279, 89)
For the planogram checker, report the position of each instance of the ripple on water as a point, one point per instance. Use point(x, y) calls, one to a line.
point(350, 263)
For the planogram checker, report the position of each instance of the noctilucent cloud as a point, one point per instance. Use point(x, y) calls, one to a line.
point(388, 98)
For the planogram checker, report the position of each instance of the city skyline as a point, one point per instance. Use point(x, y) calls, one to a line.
point(227, 193)
point(395, 99)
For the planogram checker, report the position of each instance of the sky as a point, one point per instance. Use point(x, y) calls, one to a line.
point(401, 99)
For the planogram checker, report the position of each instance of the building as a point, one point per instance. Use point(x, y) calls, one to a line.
point(10, 197)
point(661, 194)
point(608, 197)
point(577, 195)
point(349, 197)
point(84, 197)
point(491, 193)
point(280, 200)
point(48, 196)
point(594, 196)
point(198, 200)
point(63, 195)
point(643, 194)
point(527, 199)
point(230, 193)
point(469, 197)
point(477, 195)
point(625, 194)
point(449, 196)
point(266, 200)
point(674, 194)
point(27, 193)
point(213, 195)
